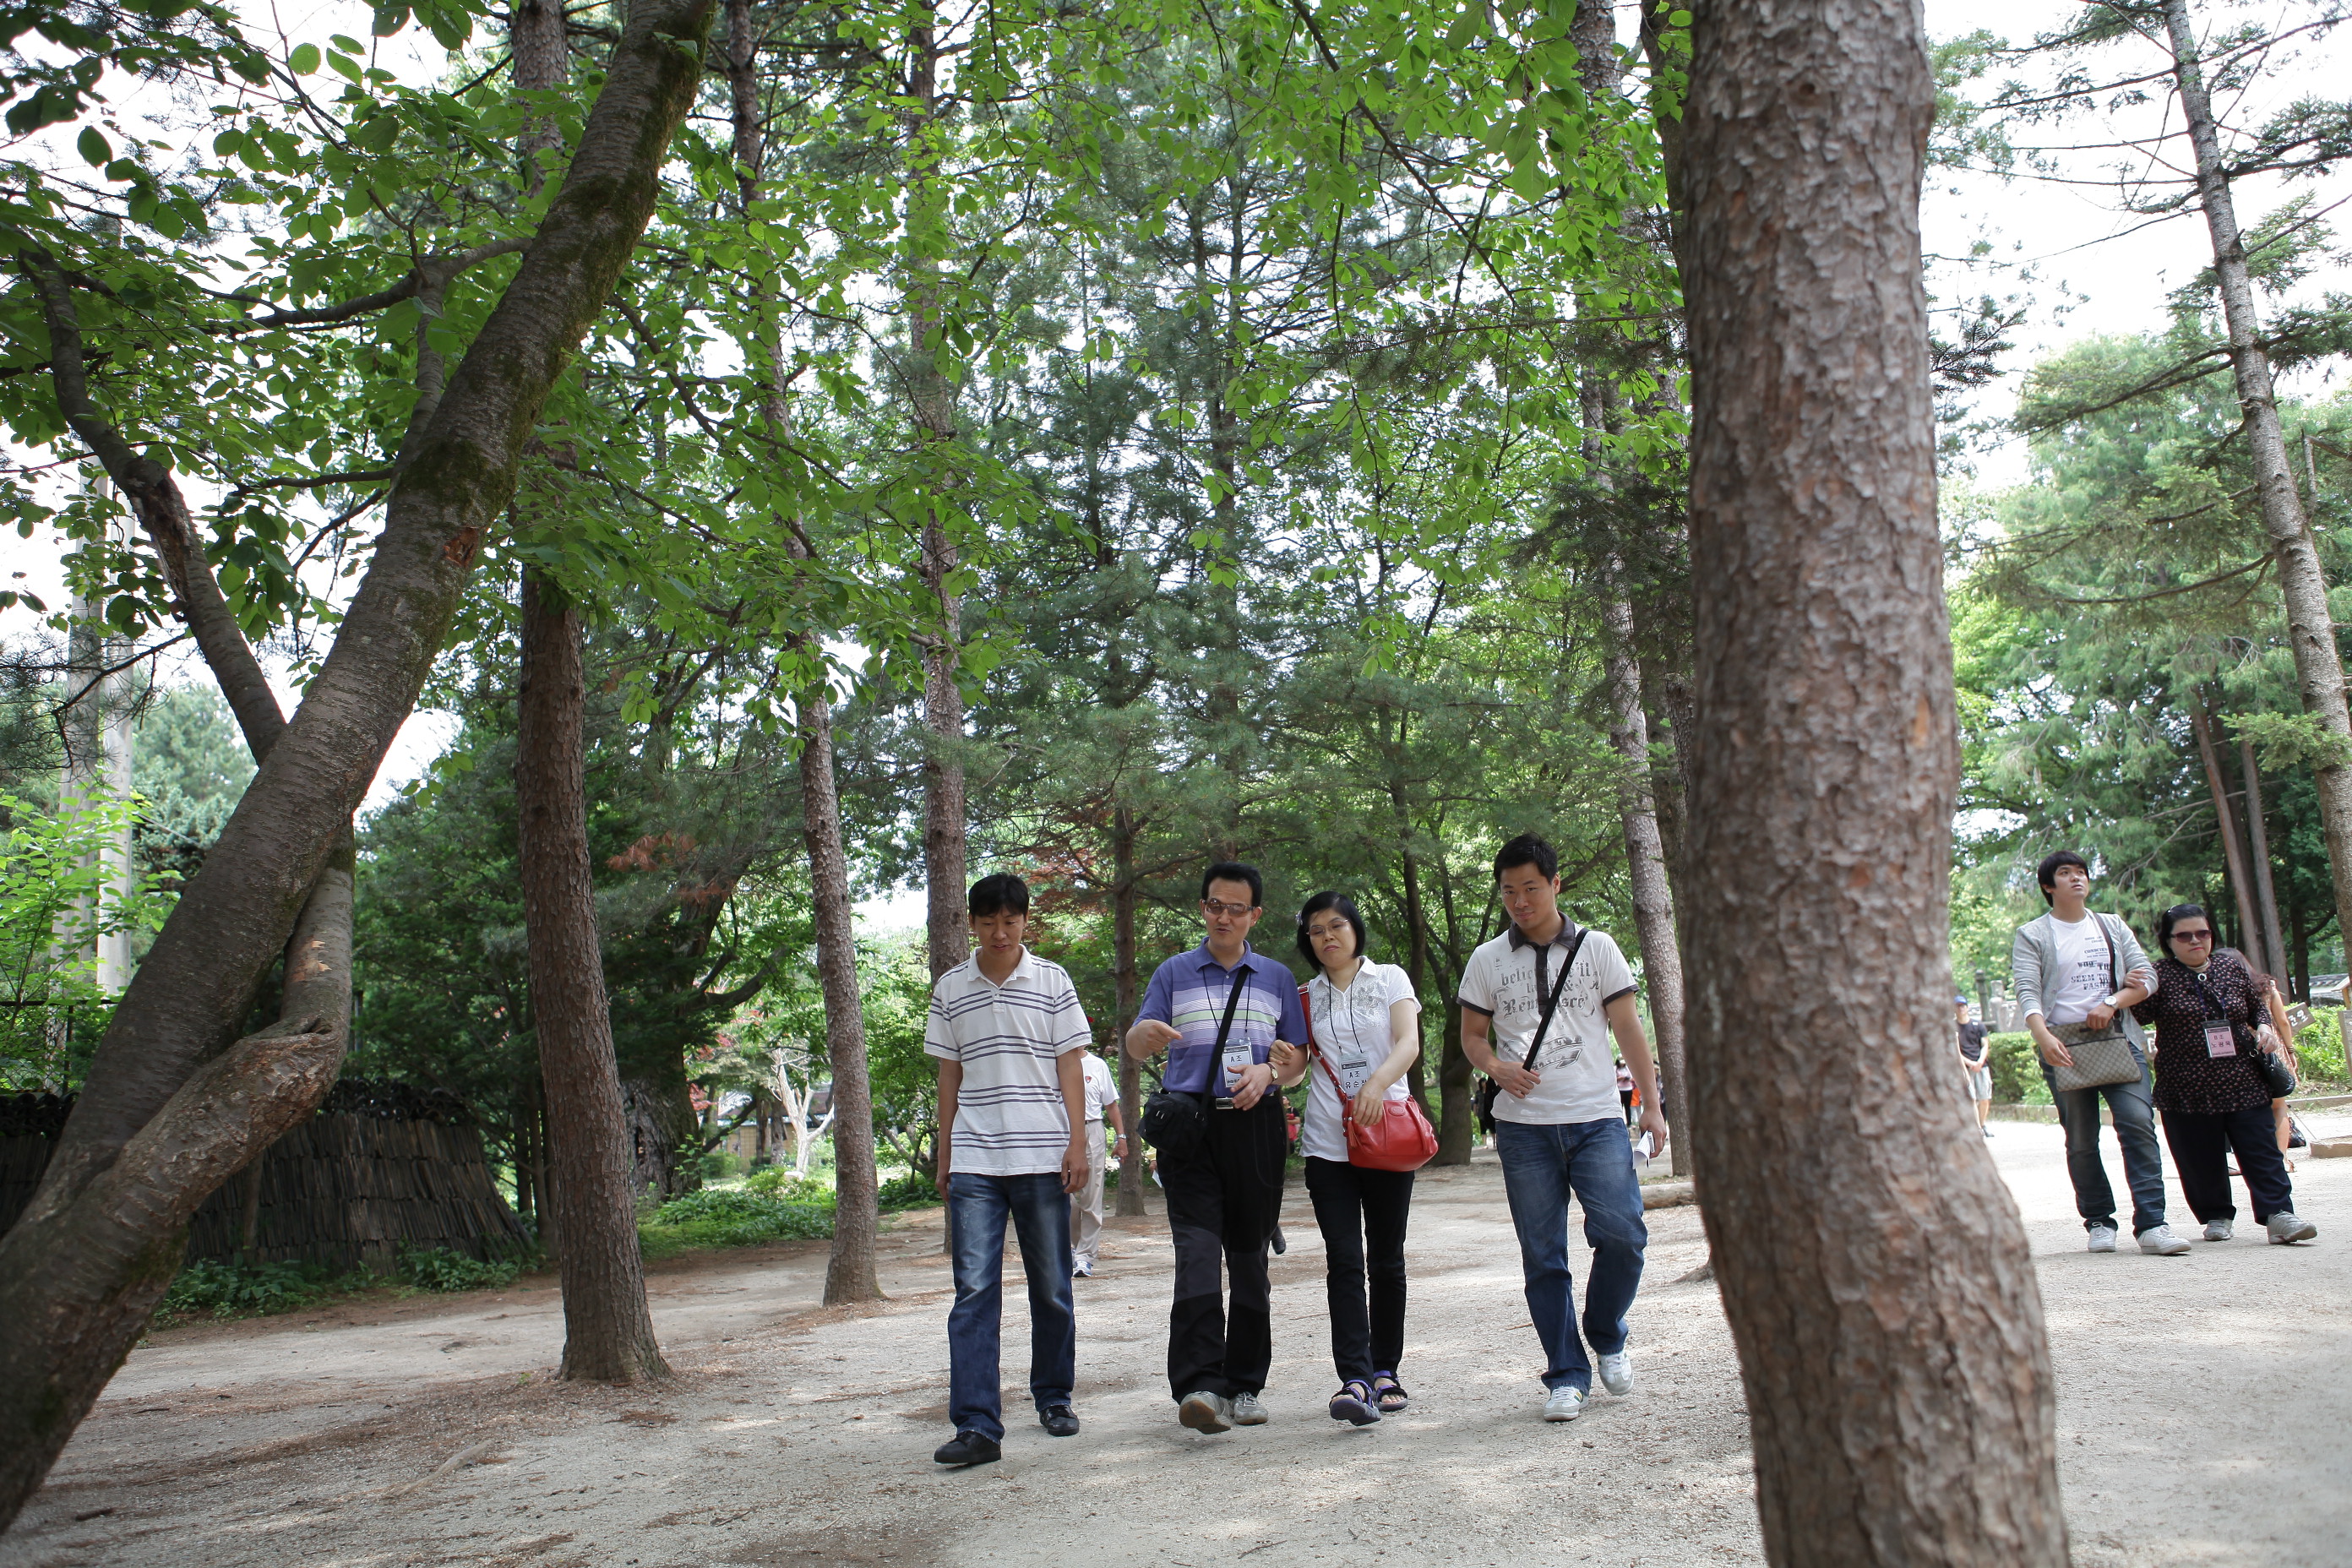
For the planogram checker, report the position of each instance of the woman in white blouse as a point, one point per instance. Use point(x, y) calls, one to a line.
point(1365, 1022)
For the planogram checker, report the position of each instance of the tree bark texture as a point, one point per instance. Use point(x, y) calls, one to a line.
point(608, 1330)
point(2233, 853)
point(83, 1268)
point(849, 1273)
point(1890, 1332)
point(2258, 836)
point(2311, 629)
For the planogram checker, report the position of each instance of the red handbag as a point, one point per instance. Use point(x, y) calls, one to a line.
point(1402, 1140)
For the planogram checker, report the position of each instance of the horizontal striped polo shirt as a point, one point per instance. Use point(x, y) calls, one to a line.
point(1009, 1119)
point(1189, 992)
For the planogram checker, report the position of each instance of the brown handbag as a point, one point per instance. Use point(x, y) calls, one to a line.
point(1402, 1140)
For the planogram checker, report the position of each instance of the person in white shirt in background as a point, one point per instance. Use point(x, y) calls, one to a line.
point(1560, 1131)
point(1365, 1022)
point(1009, 1035)
point(2071, 966)
point(1087, 1203)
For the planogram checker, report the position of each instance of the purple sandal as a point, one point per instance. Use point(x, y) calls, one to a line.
point(1390, 1392)
point(1353, 1403)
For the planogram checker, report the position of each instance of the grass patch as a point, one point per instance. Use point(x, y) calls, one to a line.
point(440, 1268)
point(209, 1287)
point(732, 1216)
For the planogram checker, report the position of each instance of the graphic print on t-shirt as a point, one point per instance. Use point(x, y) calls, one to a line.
point(1578, 1080)
point(2083, 976)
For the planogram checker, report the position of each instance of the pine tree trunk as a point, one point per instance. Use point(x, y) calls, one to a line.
point(2311, 628)
point(608, 1329)
point(1899, 1391)
point(1131, 1175)
point(2258, 835)
point(2233, 853)
point(1645, 867)
point(1457, 1123)
point(849, 1275)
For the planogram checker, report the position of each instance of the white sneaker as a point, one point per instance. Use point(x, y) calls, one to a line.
point(1204, 1411)
point(1564, 1405)
point(2218, 1230)
point(2159, 1240)
point(2103, 1238)
point(2286, 1228)
point(1617, 1373)
point(1082, 1271)
point(1245, 1411)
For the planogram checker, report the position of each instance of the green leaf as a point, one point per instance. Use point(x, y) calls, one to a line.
point(304, 60)
point(93, 147)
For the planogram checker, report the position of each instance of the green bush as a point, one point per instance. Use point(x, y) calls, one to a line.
point(440, 1268)
point(2016, 1071)
point(244, 1289)
point(718, 1164)
point(777, 1182)
point(2319, 1049)
point(910, 1190)
point(732, 1217)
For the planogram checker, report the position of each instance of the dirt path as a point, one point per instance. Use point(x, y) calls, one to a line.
point(2203, 1403)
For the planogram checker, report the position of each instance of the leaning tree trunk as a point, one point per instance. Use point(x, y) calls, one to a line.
point(2311, 628)
point(608, 1330)
point(169, 1113)
point(849, 1273)
point(1899, 1386)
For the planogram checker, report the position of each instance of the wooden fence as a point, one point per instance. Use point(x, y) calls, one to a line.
point(382, 1168)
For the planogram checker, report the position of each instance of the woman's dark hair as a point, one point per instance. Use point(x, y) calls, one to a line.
point(2173, 917)
point(1316, 906)
point(1527, 849)
point(1235, 871)
point(2047, 872)
point(1002, 894)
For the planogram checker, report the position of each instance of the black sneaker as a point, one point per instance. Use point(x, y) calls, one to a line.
point(1059, 1421)
point(1281, 1243)
point(968, 1448)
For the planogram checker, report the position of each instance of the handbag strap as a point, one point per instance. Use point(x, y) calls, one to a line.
point(1552, 1003)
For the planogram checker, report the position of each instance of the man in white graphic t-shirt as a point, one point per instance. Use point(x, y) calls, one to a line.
point(1559, 1128)
point(2071, 966)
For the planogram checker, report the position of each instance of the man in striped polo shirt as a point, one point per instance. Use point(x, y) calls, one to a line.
point(1225, 1199)
point(1009, 1034)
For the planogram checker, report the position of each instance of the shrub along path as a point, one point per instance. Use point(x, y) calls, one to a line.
point(2200, 1401)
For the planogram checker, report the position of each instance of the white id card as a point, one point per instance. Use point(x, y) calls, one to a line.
point(1237, 1059)
point(2220, 1040)
point(1355, 1067)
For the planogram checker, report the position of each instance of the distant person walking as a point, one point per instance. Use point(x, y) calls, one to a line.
point(1539, 1005)
point(1086, 1203)
point(2211, 1019)
point(1975, 1064)
point(2075, 970)
point(1365, 1023)
point(1222, 1008)
point(1009, 1034)
point(1625, 1090)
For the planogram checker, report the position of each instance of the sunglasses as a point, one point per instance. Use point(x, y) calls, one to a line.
point(1213, 906)
point(2192, 936)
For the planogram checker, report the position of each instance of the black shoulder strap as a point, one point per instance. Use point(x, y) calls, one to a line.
point(1241, 978)
point(1552, 1003)
point(2115, 978)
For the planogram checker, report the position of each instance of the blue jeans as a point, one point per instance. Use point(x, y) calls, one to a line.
point(1542, 1164)
point(978, 1207)
point(2134, 1105)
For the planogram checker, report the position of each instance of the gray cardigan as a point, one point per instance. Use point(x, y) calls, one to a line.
point(2034, 954)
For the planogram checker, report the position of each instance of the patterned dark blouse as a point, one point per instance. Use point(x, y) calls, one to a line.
point(2188, 1079)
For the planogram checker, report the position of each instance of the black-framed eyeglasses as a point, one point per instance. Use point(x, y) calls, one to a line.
point(1218, 907)
point(2192, 936)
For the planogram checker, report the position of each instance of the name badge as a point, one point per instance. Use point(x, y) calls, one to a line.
point(1237, 1059)
point(2220, 1040)
point(1355, 1067)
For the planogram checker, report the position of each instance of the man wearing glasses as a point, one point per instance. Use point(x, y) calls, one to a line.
point(2071, 966)
point(1217, 1011)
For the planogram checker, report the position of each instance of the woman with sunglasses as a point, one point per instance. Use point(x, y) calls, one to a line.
point(1365, 1022)
point(2209, 1017)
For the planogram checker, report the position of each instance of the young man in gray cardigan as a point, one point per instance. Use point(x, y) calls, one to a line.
point(2071, 966)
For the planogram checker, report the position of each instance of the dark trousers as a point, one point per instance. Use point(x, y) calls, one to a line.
point(2198, 1144)
point(2134, 1106)
point(1223, 1202)
point(1039, 1211)
point(1362, 1214)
